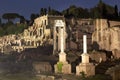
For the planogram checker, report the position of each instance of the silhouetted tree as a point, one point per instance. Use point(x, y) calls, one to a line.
point(76, 12)
point(44, 11)
point(32, 17)
point(1, 31)
point(41, 12)
point(10, 16)
point(49, 10)
point(55, 12)
point(22, 19)
point(0, 21)
point(104, 11)
point(116, 11)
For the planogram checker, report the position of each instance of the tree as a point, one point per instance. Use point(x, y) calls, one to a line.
point(49, 10)
point(1, 31)
point(41, 12)
point(0, 21)
point(116, 11)
point(44, 11)
point(55, 12)
point(104, 11)
point(32, 17)
point(76, 12)
point(10, 16)
point(22, 19)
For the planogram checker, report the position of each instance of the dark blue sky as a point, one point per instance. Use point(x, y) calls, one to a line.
point(26, 7)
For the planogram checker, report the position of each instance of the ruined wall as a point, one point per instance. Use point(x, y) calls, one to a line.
point(76, 29)
point(105, 36)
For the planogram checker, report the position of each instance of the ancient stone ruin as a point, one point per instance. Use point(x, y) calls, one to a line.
point(62, 65)
point(106, 36)
point(39, 34)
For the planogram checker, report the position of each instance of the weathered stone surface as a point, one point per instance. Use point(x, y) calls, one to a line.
point(106, 36)
point(116, 53)
point(42, 67)
point(98, 56)
point(87, 68)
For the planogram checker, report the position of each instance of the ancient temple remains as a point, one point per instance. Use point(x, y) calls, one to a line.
point(62, 65)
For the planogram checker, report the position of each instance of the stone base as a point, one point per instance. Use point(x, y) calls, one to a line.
point(87, 68)
point(65, 69)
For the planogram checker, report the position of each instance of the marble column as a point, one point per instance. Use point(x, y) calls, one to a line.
point(62, 40)
point(59, 39)
point(62, 55)
point(85, 56)
point(54, 40)
point(84, 44)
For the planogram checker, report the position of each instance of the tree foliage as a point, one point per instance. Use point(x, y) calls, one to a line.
point(49, 11)
point(116, 11)
point(0, 21)
point(76, 12)
point(10, 28)
point(10, 16)
point(101, 10)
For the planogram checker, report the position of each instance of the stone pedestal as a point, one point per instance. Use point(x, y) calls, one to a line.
point(62, 65)
point(62, 57)
point(85, 58)
point(65, 68)
point(85, 66)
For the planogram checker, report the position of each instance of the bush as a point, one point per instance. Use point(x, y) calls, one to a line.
point(59, 66)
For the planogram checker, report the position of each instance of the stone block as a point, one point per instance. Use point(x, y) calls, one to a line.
point(62, 57)
point(66, 69)
point(87, 68)
point(85, 58)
